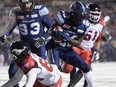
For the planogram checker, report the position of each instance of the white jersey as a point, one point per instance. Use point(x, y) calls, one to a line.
point(49, 73)
point(91, 35)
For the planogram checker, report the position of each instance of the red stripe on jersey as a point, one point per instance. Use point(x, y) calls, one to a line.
point(101, 21)
point(27, 64)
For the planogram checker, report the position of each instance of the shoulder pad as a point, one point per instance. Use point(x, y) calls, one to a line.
point(83, 27)
point(42, 10)
point(60, 17)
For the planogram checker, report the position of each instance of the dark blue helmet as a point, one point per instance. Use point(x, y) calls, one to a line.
point(79, 11)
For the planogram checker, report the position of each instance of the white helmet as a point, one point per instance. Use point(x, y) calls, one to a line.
point(94, 13)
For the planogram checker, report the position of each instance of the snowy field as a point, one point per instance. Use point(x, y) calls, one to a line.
point(104, 75)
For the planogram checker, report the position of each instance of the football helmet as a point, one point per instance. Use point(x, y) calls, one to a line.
point(24, 7)
point(19, 50)
point(78, 11)
point(94, 12)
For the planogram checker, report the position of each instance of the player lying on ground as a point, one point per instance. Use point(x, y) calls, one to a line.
point(39, 72)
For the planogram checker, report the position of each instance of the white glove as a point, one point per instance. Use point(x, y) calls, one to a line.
point(96, 55)
point(3, 38)
point(39, 41)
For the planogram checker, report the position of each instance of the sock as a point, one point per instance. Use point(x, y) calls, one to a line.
point(72, 73)
point(85, 84)
point(76, 78)
point(89, 78)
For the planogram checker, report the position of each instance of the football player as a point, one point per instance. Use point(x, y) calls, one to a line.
point(74, 25)
point(92, 35)
point(38, 71)
point(31, 20)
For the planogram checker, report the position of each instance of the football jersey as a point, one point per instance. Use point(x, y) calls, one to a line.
point(31, 25)
point(92, 34)
point(49, 73)
point(63, 19)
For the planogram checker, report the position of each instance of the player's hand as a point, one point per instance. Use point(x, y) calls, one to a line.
point(65, 35)
point(3, 38)
point(62, 34)
point(56, 33)
point(39, 41)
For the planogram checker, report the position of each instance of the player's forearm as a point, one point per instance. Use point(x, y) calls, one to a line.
point(74, 42)
point(14, 80)
point(11, 26)
point(31, 77)
point(97, 45)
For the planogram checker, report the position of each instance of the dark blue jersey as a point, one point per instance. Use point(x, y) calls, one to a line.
point(32, 25)
point(63, 49)
point(65, 21)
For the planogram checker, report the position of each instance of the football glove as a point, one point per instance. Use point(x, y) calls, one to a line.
point(65, 35)
point(96, 55)
point(3, 38)
point(56, 33)
point(39, 41)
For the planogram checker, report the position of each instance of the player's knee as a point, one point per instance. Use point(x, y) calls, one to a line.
point(67, 68)
point(85, 68)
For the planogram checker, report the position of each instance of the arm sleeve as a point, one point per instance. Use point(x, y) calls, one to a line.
point(60, 17)
point(44, 13)
point(12, 23)
point(31, 77)
point(14, 80)
point(46, 21)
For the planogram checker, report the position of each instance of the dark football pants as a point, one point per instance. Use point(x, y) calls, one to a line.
point(74, 59)
point(70, 56)
point(41, 51)
point(12, 70)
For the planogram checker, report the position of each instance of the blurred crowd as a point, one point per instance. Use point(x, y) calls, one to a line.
point(108, 48)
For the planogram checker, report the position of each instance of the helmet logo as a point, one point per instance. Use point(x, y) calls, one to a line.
point(25, 0)
point(96, 9)
point(18, 51)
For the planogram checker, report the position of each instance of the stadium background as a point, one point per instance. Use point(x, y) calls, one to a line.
point(108, 49)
